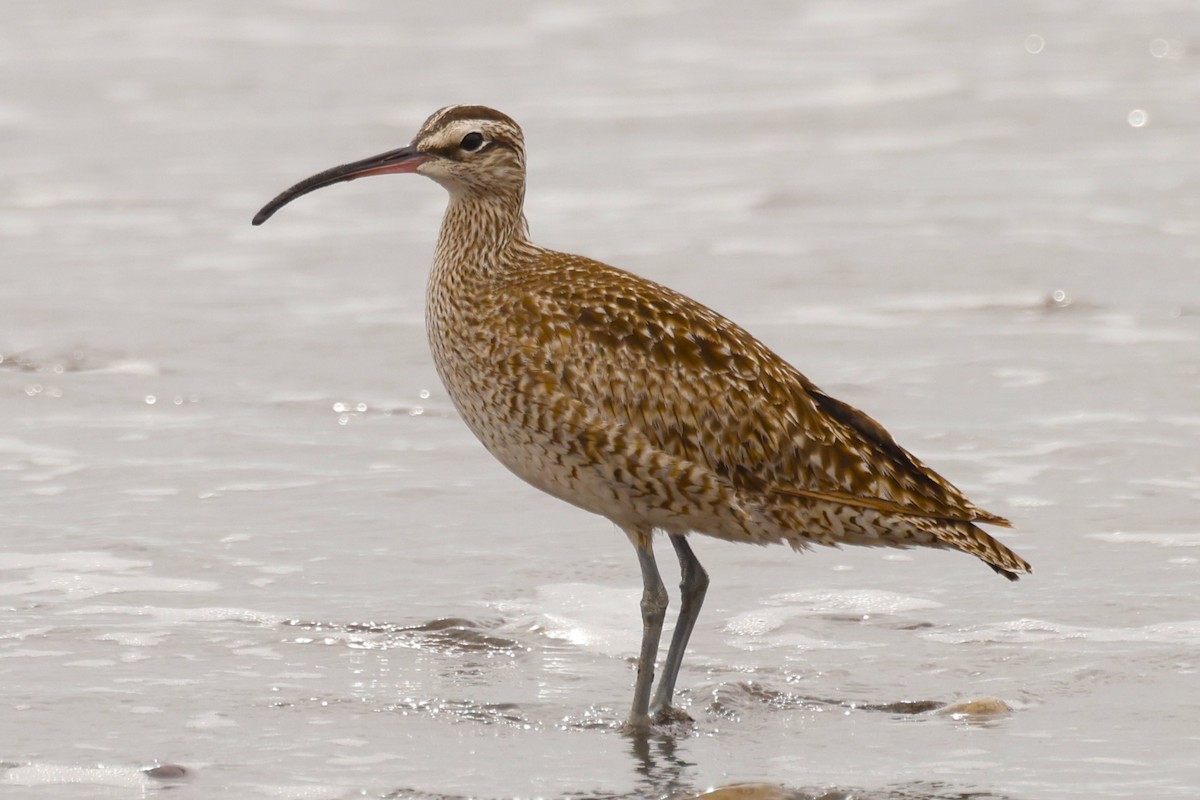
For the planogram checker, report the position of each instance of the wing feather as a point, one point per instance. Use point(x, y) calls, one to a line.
point(701, 388)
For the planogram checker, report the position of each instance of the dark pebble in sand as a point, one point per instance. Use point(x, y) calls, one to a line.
point(167, 772)
point(978, 707)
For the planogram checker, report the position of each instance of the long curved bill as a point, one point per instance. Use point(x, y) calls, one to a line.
point(406, 159)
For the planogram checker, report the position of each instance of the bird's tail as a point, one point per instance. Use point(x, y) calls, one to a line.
point(971, 539)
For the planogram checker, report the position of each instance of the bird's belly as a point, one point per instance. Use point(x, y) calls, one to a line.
point(546, 452)
point(540, 457)
point(494, 410)
point(565, 447)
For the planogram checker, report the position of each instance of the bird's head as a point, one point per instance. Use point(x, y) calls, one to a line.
point(467, 149)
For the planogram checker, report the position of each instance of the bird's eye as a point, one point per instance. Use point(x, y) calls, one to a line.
point(472, 141)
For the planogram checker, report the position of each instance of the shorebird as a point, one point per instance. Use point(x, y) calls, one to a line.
point(632, 401)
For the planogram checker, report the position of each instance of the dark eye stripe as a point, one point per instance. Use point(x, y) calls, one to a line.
point(456, 151)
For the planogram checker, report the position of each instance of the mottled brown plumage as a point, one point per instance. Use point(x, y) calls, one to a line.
point(630, 400)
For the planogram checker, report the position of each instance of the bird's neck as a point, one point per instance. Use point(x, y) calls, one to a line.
point(478, 229)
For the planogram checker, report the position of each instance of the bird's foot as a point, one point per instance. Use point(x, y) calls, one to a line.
point(666, 717)
point(637, 725)
point(669, 715)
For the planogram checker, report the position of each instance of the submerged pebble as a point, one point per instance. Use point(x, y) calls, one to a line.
point(978, 707)
point(167, 772)
point(744, 791)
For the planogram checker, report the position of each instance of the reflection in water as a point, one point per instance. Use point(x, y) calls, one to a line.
point(664, 773)
point(667, 775)
point(916, 791)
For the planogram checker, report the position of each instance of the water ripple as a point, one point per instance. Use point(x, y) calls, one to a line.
point(447, 636)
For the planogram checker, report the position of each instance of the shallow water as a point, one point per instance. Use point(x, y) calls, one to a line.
point(245, 534)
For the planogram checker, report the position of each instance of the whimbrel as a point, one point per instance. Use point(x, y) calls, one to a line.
point(632, 401)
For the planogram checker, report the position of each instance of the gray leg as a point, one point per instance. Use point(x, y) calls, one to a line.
point(654, 609)
point(691, 589)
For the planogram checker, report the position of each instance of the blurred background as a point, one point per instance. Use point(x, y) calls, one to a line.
point(243, 531)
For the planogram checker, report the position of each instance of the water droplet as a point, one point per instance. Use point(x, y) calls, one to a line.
point(423, 394)
point(1060, 298)
point(151, 399)
point(416, 411)
point(1138, 118)
point(1167, 48)
point(361, 407)
point(178, 400)
point(344, 419)
point(339, 407)
point(1034, 43)
point(33, 388)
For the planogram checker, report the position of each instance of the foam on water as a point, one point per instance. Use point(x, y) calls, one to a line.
point(31, 775)
point(588, 616)
point(1024, 631)
point(82, 575)
point(1159, 539)
point(165, 615)
point(855, 601)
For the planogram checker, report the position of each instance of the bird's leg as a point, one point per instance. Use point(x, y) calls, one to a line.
point(692, 586)
point(654, 609)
